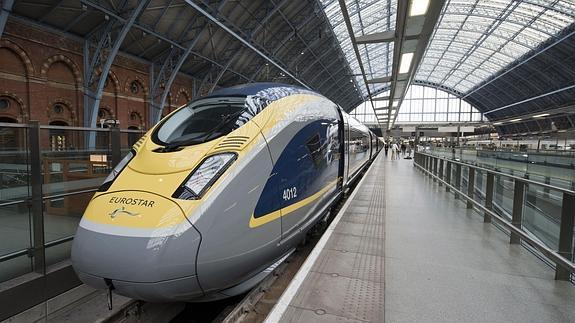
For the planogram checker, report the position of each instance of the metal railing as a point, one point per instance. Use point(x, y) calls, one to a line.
point(448, 172)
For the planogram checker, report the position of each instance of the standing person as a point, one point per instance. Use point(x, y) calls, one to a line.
point(409, 150)
point(386, 148)
point(394, 151)
point(403, 148)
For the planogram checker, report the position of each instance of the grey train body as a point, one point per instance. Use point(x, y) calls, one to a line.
point(298, 167)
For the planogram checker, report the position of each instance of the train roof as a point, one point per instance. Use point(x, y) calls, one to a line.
point(250, 89)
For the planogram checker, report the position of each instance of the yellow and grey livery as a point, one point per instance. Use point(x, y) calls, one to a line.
point(219, 191)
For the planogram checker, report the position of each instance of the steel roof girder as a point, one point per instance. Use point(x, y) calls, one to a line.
point(290, 35)
point(379, 37)
point(242, 40)
point(101, 64)
point(306, 45)
point(169, 70)
point(147, 30)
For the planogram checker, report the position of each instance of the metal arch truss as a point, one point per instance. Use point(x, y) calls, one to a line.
point(100, 50)
point(162, 80)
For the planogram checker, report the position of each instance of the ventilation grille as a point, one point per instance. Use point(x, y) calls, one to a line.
point(232, 143)
point(140, 141)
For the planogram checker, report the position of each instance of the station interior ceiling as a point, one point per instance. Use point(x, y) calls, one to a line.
point(512, 60)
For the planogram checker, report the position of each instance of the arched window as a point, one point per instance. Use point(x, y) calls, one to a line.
point(421, 105)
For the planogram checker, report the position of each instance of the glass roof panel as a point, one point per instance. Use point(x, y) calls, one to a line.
point(366, 17)
point(475, 39)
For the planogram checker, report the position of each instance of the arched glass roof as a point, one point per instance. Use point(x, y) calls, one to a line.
point(475, 39)
point(472, 42)
point(367, 17)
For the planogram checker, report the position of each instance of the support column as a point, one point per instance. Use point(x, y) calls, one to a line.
point(36, 203)
point(517, 214)
point(470, 186)
point(566, 235)
point(100, 50)
point(488, 197)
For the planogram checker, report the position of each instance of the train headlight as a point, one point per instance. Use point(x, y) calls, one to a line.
point(204, 176)
point(117, 170)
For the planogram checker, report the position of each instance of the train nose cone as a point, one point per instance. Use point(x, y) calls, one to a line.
point(146, 249)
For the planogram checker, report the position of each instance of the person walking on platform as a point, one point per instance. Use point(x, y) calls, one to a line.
point(403, 148)
point(386, 148)
point(394, 151)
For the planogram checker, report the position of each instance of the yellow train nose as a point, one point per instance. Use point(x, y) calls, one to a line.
point(134, 210)
point(141, 243)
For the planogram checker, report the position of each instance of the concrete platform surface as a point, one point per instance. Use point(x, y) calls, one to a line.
point(404, 250)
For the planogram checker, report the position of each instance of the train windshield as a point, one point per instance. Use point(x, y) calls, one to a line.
point(203, 121)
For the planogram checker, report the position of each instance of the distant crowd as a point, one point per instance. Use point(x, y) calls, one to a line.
point(398, 149)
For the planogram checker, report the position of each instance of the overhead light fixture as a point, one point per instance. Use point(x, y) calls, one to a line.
point(418, 7)
point(541, 115)
point(515, 120)
point(497, 123)
point(405, 63)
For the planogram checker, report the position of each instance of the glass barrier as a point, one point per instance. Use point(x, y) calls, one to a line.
point(71, 170)
point(15, 225)
point(557, 169)
point(542, 206)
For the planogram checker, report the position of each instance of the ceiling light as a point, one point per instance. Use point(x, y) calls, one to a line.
point(418, 7)
point(497, 123)
point(405, 63)
point(541, 115)
point(515, 120)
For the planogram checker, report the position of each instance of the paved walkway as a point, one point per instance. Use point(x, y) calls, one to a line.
point(404, 250)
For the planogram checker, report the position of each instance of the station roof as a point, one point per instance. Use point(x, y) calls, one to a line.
point(506, 57)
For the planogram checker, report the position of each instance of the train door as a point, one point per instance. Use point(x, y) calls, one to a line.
point(346, 148)
point(342, 152)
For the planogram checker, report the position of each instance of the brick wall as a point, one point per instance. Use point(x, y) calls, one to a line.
point(41, 78)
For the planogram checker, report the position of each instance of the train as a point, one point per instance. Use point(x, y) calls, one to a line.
point(218, 193)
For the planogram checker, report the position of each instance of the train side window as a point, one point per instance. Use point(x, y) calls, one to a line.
point(314, 147)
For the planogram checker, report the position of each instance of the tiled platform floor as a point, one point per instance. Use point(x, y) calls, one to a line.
point(407, 251)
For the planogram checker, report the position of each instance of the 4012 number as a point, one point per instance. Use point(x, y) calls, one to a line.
point(290, 193)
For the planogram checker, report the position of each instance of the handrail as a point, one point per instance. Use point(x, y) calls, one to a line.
point(494, 172)
point(556, 257)
point(55, 196)
point(23, 252)
point(53, 127)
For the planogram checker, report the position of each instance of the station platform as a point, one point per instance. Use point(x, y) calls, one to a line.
point(404, 250)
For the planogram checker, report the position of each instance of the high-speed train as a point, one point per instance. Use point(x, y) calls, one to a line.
point(218, 192)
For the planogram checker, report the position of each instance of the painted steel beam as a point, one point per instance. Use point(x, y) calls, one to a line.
point(101, 64)
point(165, 78)
point(382, 37)
point(243, 41)
point(385, 79)
point(347, 20)
point(308, 48)
point(149, 31)
point(283, 42)
point(6, 10)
